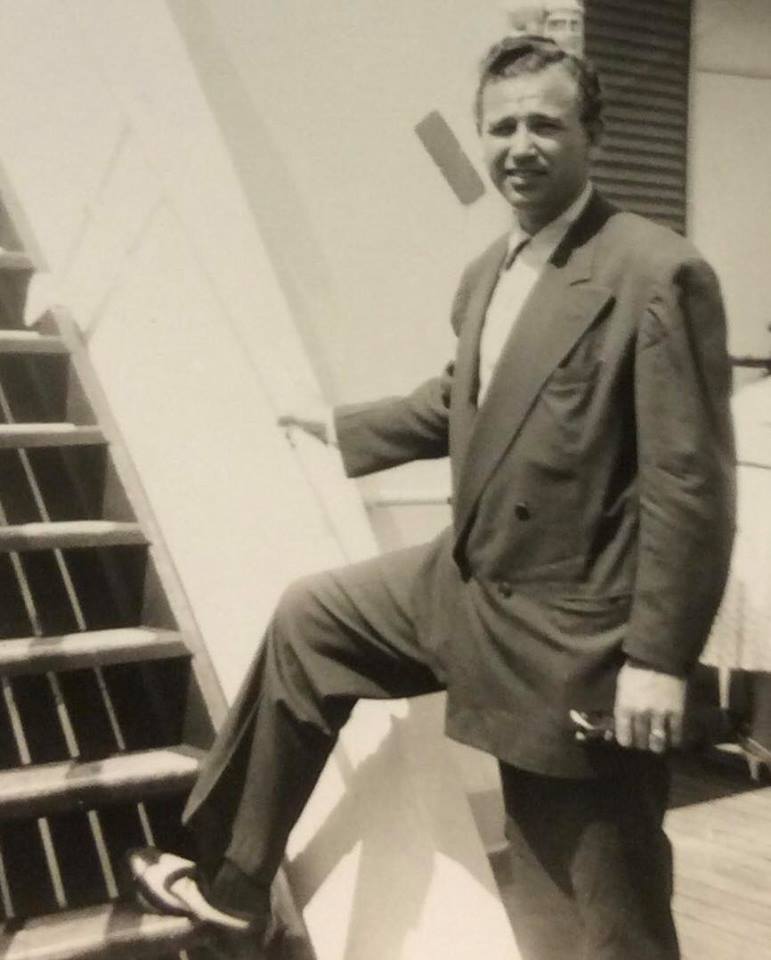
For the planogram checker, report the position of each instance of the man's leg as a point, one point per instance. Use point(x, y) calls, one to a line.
point(334, 638)
point(591, 865)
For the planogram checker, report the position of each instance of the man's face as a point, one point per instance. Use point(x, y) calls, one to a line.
point(535, 146)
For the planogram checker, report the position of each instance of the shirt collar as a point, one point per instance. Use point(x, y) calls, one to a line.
point(551, 234)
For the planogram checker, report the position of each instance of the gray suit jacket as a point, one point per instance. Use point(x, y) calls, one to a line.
point(593, 490)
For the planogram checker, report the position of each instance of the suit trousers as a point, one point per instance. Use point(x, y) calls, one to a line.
point(591, 865)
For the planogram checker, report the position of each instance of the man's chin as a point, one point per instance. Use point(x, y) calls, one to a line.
point(522, 202)
point(524, 189)
point(519, 193)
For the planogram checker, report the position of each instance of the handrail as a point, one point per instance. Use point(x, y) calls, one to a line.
point(761, 363)
point(394, 498)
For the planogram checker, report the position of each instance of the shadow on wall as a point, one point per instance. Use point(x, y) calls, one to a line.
point(296, 253)
point(397, 860)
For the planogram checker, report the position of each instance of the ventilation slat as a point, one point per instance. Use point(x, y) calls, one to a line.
point(641, 49)
point(638, 62)
point(632, 97)
point(662, 46)
point(643, 163)
point(647, 120)
point(644, 25)
point(675, 12)
point(632, 147)
point(622, 125)
point(638, 181)
point(624, 81)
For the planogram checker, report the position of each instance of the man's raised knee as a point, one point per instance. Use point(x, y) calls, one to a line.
point(302, 599)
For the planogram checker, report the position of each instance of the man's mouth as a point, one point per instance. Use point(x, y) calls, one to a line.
point(523, 176)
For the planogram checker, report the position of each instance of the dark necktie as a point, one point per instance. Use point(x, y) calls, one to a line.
point(512, 255)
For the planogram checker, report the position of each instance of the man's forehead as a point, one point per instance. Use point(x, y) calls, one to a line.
point(550, 90)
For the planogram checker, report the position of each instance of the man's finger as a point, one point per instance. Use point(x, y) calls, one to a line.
point(641, 730)
point(676, 729)
point(658, 740)
point(316, 428)
point(623, 725)
point(659, 732)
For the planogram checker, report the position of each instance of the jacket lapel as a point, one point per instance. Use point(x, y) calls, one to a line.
point(466, 375)
point(557, 313)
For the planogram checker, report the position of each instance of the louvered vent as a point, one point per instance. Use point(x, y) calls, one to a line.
point(641, 48)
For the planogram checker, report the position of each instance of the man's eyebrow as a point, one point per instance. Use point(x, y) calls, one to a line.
point(538, 115)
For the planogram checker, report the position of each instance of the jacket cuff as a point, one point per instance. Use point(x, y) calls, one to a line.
point(642, 664)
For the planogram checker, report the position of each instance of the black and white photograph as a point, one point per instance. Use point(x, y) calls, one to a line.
point(385, 480)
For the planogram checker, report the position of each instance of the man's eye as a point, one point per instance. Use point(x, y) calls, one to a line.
point(543, 126)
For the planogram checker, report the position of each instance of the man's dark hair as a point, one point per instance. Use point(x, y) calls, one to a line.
point(514, 56)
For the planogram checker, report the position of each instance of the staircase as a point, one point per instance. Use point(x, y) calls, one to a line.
point(107, 698)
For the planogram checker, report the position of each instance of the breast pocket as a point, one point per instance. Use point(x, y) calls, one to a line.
point(562, 409)
point(573, 375)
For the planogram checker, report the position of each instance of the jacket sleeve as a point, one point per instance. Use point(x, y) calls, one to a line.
point(686, 470)
point(386, 433)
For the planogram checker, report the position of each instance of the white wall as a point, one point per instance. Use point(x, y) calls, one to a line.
point(730, 159)
point(368, 237)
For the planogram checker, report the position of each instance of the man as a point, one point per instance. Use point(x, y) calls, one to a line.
point(586, 418)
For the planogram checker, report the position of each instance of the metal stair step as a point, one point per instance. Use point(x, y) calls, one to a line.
point(30, 341)
point(113, 931)
point(48, 788)
point(26, 435)
point(67, 534)
point(96, 648)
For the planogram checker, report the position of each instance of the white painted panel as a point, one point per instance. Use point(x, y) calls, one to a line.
point(730, 187)
point(59, 137)
point(732, 36)
point(238, 514)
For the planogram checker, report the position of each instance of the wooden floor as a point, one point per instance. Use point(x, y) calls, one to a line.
point(719, 823)
point(720, 826)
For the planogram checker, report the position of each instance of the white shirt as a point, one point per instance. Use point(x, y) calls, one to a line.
point(515, 284)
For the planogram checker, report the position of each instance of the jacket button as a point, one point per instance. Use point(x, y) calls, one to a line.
point(522, 511)
point(505, 589)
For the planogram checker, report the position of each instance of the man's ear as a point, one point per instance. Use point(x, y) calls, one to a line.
point(595, 129)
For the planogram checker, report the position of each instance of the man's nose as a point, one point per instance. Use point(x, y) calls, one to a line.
point(520, 143)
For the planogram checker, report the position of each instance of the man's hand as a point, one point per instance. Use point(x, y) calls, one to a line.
point(649, 709)
point(314, 418)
